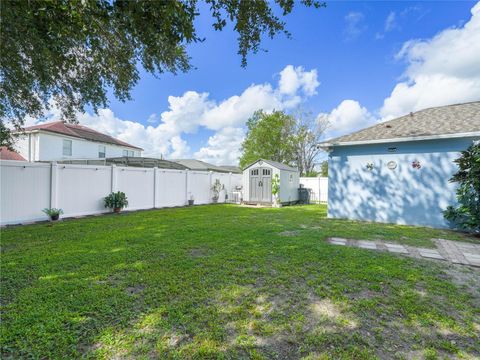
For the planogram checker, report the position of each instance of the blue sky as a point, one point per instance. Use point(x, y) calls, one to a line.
point(351, 63)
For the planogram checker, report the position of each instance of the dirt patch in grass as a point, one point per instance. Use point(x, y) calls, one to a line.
point(289, 233)
point(466, 277)
point(134, 290)
point(198, 253)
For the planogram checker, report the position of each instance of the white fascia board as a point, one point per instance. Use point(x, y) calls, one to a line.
point(402, 139)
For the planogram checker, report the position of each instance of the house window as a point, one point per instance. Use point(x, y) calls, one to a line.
point(102, 151)
point(128, 153)
point(291, 178)
point(67, 147)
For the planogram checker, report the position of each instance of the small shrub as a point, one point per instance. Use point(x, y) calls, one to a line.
point(116, 200)
point(53, 213)
point(276, 188)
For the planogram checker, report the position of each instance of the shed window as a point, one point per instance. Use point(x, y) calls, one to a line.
point(266, 171)
point(67, 147)
point(255, 172)
point(101, 151)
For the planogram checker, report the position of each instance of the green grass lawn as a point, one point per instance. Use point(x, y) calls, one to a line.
point(230, 282)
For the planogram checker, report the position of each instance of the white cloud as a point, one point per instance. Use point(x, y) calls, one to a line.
point(390, 21)
point(223, 147)
point(235, 110)
point(186, 114)
point(442, 70)
point(152, 119)
point(293, 79)
point(354, 25)
point(348, 116)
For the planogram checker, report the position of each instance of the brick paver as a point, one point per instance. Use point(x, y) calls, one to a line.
point(453, 251)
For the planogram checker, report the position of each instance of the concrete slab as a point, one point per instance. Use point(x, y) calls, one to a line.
point(396, 248)
point(473, 259)
point(364, 244)
point(430, 253)
point(338, 241)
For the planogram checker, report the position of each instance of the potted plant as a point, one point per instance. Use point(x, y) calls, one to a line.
point(276, 190)
point(116, 201)
point(53, 213)
point(191, 200)
point(216, 188)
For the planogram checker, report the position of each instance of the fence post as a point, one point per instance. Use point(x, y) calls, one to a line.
point(53, 184)
point(230, 189)
point(114, 177)
point(186, 187)
point(154, 187)
point(210, 188)
point(319, 189)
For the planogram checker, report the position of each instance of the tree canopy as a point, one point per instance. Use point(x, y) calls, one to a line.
point(71, 52)
point(289, 139)
point(269, 136)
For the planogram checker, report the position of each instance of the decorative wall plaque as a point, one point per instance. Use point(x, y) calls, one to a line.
point(392, 165)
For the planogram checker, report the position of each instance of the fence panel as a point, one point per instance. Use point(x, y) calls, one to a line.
point(225, 180)
point(81, 188)
point(237, 180)
point(25, 191)
point(199, 187)
point(137, 184)
point(318, 187)
point(323, 189)
point(28, 188)
point(171, 186)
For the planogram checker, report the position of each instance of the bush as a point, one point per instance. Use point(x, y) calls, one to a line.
point(116, 200)
point(52, 212)
point(466, 215)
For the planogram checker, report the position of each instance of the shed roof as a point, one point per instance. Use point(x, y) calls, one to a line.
point(275, 164)
point(443, 121)
point(79, 131)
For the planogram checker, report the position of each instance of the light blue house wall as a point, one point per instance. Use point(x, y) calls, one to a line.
point(403, 195)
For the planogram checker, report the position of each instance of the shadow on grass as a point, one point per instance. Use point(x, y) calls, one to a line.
point(220, 281)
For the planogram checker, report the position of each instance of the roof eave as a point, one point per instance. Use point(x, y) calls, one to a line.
point(75, 137)
point(330, 144)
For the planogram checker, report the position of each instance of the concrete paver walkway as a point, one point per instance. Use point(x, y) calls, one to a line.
point(452, 251)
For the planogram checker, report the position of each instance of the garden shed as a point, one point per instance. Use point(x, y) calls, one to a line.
point(257, 182)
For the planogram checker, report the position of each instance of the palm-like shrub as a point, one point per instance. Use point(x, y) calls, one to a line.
point(53, 213)
point(216, 188)
point(116, 200)
point(466, 215)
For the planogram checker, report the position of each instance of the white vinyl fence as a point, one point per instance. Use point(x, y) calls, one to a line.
point(28, 188)
point(318, 187)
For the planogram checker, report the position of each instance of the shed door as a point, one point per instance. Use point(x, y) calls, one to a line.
point(266, 185)
point(255, 188)
point(261, 185)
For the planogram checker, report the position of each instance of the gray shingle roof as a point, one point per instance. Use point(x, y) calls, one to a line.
point(442, 120)
point(143, 162)
point(194, 164)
